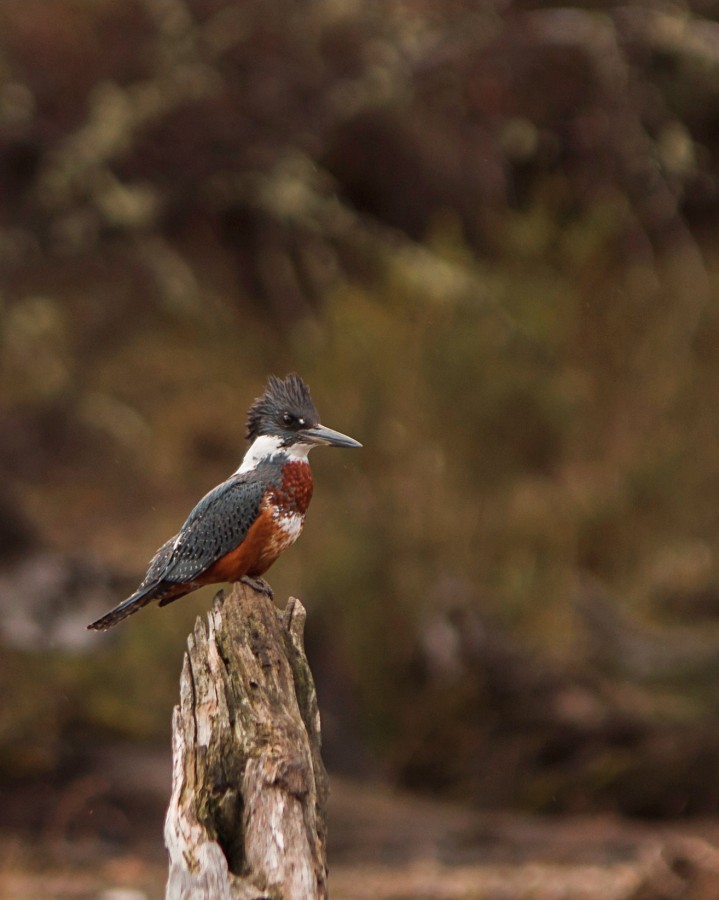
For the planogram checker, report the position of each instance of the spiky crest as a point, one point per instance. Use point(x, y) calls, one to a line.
point(282, 395)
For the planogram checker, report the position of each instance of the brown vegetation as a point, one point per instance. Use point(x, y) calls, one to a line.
point(485, 234)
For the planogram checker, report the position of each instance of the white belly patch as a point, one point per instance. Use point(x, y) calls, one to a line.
point(290, 526)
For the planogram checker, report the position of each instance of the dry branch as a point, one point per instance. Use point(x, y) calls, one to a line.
point(247, 812)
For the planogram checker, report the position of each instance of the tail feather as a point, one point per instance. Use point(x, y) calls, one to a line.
point(129, 606)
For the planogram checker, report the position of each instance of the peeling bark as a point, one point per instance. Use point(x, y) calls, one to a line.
point(247, 813)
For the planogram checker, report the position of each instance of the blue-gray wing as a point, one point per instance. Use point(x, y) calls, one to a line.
point(217, 525)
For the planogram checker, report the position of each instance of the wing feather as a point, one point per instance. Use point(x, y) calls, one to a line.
point(217, 525)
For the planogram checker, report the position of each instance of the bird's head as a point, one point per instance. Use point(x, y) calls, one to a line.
point(286, 414)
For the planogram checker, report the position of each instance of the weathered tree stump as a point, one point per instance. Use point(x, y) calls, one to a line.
point(247, 812)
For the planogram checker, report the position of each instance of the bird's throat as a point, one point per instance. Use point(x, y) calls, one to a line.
point(266, 446)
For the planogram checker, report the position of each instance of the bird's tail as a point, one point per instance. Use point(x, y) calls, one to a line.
point(132, 604)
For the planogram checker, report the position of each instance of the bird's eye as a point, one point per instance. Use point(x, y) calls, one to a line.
point(288, 420)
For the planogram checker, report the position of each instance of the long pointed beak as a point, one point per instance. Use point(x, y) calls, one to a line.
point(318, 434)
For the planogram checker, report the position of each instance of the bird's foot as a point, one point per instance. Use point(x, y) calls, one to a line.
point(258, 584)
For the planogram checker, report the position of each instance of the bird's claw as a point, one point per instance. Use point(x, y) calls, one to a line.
point(258, 584)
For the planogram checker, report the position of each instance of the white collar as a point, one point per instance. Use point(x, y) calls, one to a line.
point(267, 445)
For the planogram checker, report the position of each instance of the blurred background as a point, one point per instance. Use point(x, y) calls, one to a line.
point(486, 234)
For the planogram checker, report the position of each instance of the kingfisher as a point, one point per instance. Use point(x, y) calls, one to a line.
point(237, 531)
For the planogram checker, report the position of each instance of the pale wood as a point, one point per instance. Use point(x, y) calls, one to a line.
point(247, 813)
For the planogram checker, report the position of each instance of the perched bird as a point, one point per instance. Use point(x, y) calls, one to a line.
point(239, 529)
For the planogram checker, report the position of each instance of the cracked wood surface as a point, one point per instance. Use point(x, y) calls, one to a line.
point(247, 812)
